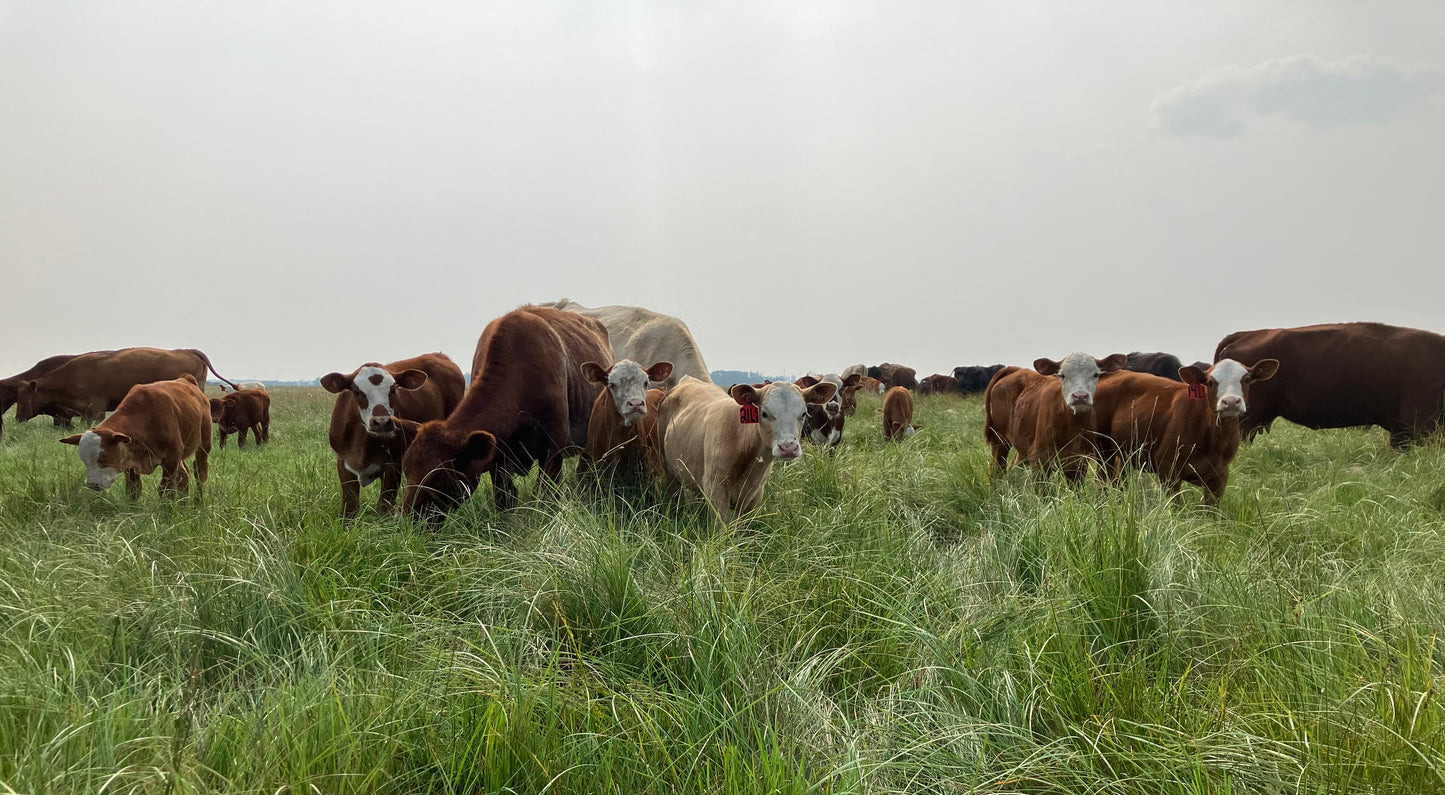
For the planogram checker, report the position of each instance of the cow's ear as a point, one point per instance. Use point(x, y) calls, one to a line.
point(478, 451)
point(73, 439)
point(1046, 366)
point(335, 383)
point(594, 372)
point(1112, 363)
point(659, 372)
point(853, 380)
point(745, 394)
point(120, 438)
point(821, 392)
point(1264, 369)
point(1193, 376)
point(410, 379)
point(806, 381)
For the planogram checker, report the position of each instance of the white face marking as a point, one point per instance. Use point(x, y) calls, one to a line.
point(1229, 375)
point(1080, 376)
point(834, 406)
point(782, 414)
point(96, 476)
point(375, 392)
point(627, 384)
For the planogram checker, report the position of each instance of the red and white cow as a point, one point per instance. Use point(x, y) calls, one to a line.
point(624, 415)
point(157, 424)
point(1047, 413)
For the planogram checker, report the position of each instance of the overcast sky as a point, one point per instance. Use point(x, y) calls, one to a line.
point(300, 187)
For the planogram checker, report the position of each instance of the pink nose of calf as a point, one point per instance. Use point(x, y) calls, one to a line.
point(1080, 398)
point(381, 425)
point(789, 449)
point(636, 406)
point(1231, 403)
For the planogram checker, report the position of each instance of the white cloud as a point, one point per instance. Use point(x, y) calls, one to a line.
point(1302, 88)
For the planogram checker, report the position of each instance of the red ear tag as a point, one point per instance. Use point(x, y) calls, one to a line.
point(748, 415)
point(1198, 391)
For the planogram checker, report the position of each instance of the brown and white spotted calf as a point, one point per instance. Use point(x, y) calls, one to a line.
point(378, 408)
point(824, 424)
point(157, 424)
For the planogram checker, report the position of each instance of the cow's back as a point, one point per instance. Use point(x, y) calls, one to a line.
point(105, 377)
point(646, 337)
point(169, 417)
point(689, 430)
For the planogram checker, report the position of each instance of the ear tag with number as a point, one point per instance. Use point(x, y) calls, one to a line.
point(748, 415)
point(1198, 391)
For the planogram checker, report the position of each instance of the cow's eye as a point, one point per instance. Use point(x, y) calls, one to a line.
point(765, 415)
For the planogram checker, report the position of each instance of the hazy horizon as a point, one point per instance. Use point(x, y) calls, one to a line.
point(301, 188)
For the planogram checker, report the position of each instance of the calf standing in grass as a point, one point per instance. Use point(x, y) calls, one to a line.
point(1047, 413)
point(376, 414)
point(723, 445)
point(897, 414)
point(1184, 432)
point(157, 424)
point(240, 411)
point(624, 417)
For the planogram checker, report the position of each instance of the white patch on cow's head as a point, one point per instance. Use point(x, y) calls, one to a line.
point(97, 477)
point(782, 412)
point(1079, 374)
point(627, 384)
point(373, 399)
point(1229, 376)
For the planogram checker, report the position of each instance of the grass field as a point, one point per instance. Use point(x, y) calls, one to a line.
point(893, 621)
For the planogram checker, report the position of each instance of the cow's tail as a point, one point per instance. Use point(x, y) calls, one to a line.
point(212, 368)
point(992, 434)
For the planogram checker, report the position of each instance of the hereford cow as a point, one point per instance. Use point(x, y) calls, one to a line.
point(897, 414)
point(378, 409)
point(938, 384)
point(622, 426)
point(973, 379)
point(824, 424)
point(528, 403)
point(93, 383)
point(157, 424)
point(1164, 365)
point(10, 390)
point(1046, 413)
point(724, 445)
point(240, 411)
point(1184, 432)
point(643, 335)
point(1339, 375)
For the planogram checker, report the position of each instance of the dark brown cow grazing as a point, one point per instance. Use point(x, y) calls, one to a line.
point(1340, 375)
point(938, 384)
point(1184, 432)
point(528, 403)
point(866, 384)
point(157, 424)
point(93, 383)
point(897, 375)
point(974, 379)
point(1046, 413)
point(238, 412)
point(10, 390)
point(897, 414)
point(622, 425)
point(377, 411)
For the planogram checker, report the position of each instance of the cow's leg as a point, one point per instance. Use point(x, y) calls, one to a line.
point(260, 433)
point(132, 484)
point(504, 483)
point(350, 490)
point(241, 437)
point(390, 484)
point(203, 469)
point(223, 439)
point(180, 479)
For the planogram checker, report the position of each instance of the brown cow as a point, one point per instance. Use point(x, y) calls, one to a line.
point(896, 375)
point(622, 425)
point(897, 414)
point(1046, 413)
point(723, 445)
point(1184, 432)
point(93, 383)
point(938, 384)
point(865, 384)
point(377, 411)
point(1340, 375)
point(10, 390)
point(240, 411)
point(528, 403)
point(157, 424)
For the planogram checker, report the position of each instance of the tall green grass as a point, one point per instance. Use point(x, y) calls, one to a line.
point(893, 619)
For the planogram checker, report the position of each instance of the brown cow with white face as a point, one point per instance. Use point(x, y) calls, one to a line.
point(1047, 413)
point(160, 424)
point(824, 424)
point(377, 411)
point(623, 418)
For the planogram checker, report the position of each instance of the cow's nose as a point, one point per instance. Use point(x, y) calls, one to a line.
point(1234, 402)
point(637, 406)
point(1080, 397)
point(382, 424)
point(789, 449)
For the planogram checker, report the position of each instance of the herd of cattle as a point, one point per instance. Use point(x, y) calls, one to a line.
point(628, 390)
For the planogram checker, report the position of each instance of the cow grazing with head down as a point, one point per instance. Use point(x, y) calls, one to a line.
point(622, 426)
point(93, 383)
point(377, 411)
point(1047, 414)
point(897, 375)
point(528, 403)
point(159, 424)
point(938, 384)
point(1164, 365)
point(1184, 432)
point(643, 335)
point(10, 390)
point(897, 414)
point(241, 411)
point(865, 384)
point(1339, 375)
point(723, 445)
point(974, 379)
point(824, 424)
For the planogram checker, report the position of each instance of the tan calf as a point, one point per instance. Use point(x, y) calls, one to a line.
point(156, 424)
